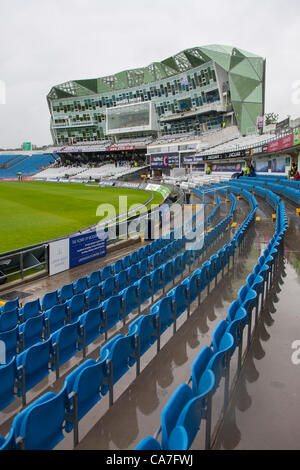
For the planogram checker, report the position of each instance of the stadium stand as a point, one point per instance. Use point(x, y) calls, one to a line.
point(28, 165)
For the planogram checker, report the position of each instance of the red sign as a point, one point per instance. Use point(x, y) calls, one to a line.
point(283, 143)
point(125, 147)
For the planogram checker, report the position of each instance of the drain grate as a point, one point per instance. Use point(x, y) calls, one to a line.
point(13, 295)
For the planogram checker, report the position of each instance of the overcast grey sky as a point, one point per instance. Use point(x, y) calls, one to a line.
point(47, 42)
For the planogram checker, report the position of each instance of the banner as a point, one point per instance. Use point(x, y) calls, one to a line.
point(297, 137)
point(283, 143)
point(87, 247)
point(164, 160)
point(59, 260)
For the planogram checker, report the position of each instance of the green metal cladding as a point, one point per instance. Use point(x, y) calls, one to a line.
point(246, 73)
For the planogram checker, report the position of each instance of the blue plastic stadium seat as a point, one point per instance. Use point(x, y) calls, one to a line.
point(83, 388)
point(178, 266)
point(108, 288)
point(65, 343)
point(117, 267)
point(8, 320)
point(133, 274)
point(180, 298)
point(223, 343)
point(106, 273)
point(180, 419)
point(55, 318)
point(148, 443)
point(203, 379)
point(193, 287)
point(237, 319)
point(11, 340)
point(8, 373)
point(30, 309)
point(146, 328)
point(113, 311)
point(145, 290)
point(33, 365)
point(31, 332)
point(29, 425)
point(118, 352)
point(94, 279)
point(157, 280)
point(143, 267)
point(126, 261)
point(10, 305)
point(66, 293)
point(134, 259)
point(80, 285)
point(93, 297)
point(168, 273)
point(75, 307)
point(165, 311)
point(92, 320)
point(49, 300)
point(122, 280)
point(131, 296)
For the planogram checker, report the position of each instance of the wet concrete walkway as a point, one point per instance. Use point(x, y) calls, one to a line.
point(263, 413)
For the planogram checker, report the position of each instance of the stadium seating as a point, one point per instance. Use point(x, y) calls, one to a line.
point(123, 351)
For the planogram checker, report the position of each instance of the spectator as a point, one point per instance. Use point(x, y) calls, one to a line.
point(297, 176)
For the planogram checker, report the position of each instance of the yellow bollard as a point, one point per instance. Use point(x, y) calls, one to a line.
point(298, 212)
point(274, 217)
point(258, 219)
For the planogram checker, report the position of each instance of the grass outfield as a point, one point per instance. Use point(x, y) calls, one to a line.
point(34, 212)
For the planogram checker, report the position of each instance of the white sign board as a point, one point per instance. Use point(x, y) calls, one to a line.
point(59, 256)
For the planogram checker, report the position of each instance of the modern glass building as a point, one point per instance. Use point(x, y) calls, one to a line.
point(197, 90)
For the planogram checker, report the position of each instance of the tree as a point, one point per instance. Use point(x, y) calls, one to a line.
point(271, 118)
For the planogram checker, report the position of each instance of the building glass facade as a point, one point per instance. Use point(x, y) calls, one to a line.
point(197, 90)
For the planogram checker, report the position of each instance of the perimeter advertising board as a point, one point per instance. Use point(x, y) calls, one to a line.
point(164, 160)
point(71, 252)
point(87, 247)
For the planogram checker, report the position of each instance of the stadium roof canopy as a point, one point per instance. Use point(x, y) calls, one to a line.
point(245, 71)
point(233, 60)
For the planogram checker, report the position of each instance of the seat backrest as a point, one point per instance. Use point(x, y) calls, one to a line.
point(7, 383)
point(148, 443)
point(120, 354)
point(49, 300)
point(189, 420)
point(144, 327)
point(31, 309)
point(10, 339)
point(106, 273)
point(94, 279)
point(86, 382)
point(8, 319)
point(66, 292)
point(67, 340)
point(32, 330)
point(35, 361)
point(199, 366)
point(172, 410)
point(80, 285)
point(56, 316)
point(10, 305)
point(36, 435)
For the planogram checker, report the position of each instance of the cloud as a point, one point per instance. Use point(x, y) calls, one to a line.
point(52, 41)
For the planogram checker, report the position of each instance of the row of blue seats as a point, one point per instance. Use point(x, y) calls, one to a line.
point(71, 294)
point(40, 325)
point(288, 189)
point(120, 363)
point(182, 416)
point(101, 318)
point(138, 262)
